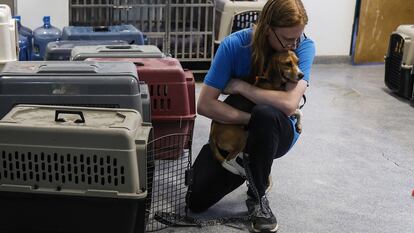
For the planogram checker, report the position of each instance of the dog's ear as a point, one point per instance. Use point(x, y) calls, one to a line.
point(274, 71)
point(294, 58)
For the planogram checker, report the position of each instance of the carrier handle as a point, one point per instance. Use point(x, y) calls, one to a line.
point(60, 68)
point(80, 113)
point(101, 29)
point(120, 48)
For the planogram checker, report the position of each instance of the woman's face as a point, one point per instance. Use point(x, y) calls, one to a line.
point(282, 39)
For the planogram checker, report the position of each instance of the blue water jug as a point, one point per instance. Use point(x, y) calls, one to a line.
point(25, 31)
point(24, 48)
point(25, 40)
point(42, 36)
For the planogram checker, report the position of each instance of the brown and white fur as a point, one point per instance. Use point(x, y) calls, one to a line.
point(228, 140)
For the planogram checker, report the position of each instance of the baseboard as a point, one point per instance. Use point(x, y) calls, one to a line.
point(328, 59)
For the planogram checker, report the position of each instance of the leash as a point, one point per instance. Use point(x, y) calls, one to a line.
point(249, 178)
point(176, 220)
point(304, 102)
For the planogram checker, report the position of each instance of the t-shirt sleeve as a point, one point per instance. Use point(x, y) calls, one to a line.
point(221, 68)
point(306, 54)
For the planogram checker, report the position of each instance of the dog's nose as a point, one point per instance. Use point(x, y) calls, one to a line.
point(300, 75)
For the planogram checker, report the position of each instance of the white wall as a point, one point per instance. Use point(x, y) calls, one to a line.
point(330, 25)
point(330, 21)
point(32, 12)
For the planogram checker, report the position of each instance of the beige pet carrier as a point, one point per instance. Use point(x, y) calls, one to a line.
point(73, 169)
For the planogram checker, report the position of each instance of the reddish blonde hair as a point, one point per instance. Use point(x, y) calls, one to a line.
point(275, 13)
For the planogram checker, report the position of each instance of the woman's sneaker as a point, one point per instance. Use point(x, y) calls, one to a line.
point(263, 220)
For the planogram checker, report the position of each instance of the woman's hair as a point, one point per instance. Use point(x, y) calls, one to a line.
point(275, 13)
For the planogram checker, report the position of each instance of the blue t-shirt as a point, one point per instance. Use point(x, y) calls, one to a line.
point(233, 60)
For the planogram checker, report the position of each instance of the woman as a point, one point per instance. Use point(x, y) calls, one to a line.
point(271, 130)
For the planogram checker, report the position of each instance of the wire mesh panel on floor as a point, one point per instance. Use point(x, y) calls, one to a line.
point(166, 179)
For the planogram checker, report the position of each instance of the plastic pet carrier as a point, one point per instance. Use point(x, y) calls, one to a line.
point(8, 36)
point(172, 92)
point(71, 169)
point(124, 32)
point(81, 53)
point(89, 84)
point(61, 50)
point(399, 61)
point(232, 16)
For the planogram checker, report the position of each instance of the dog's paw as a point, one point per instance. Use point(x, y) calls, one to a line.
point(298, 128)
point(235, 165)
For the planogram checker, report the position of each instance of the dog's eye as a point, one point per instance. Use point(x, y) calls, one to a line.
point(289, 63)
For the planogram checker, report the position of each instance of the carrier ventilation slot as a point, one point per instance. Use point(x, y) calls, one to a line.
point(20, 168)
point(160, 98)
point(395, 61)
point(244, 20)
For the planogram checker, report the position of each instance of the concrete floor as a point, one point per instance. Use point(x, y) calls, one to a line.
point(352, 169)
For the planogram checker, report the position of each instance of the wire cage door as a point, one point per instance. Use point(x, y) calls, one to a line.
point(149, 16)
point(167, 179)
point(182, 28)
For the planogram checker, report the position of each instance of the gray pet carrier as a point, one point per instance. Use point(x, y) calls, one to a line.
point(73, 169)
point(61, 50)
point(90, 84)
point(80, 53)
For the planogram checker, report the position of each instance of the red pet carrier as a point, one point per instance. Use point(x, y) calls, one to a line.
point(172, 92)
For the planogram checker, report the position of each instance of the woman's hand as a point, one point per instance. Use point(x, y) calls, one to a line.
point(209, 106)
point(235, 86)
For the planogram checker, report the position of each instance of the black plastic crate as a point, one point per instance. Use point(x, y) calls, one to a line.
point(70, 214)
point(398, 76)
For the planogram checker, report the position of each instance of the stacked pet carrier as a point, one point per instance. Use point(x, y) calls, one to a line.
point(81, 53)
point(182, 28)
point(399, 61)
point(73, 37)
point(172, 91)
point(91, 168)
point(88, 84)
point(127, 32)
point(78, 149)
point(8, 36)
point(233, 16)
point(61, 50)
point(72, 169)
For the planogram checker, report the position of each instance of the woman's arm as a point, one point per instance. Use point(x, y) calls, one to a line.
point(209, 106)
point(287, 101)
